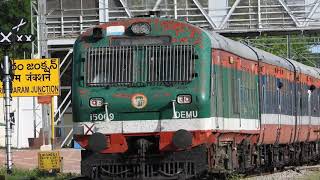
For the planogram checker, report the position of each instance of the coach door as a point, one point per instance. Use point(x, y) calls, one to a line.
point(279, 86)
point(217, 91)
point(310, 108)
point(215, 87)
point(299, 111)
point(318, 112)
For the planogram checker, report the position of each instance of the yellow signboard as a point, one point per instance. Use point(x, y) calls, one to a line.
point(35, 77)
point(49, 160)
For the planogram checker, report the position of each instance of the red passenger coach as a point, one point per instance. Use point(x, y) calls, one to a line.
point(286, 97)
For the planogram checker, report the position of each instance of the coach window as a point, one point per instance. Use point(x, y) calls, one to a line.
point(263, 96)
point(274, 94)
point(293, 97)
point(305, 101)
point(235, 83)
point(279, 94)
point(313, 99)
point(314, 104)
point(169, 63)
point(290, 98)
point(302, 102)
point(285, 97)
point(269, 94)
point(245, 96)
point(299, 87)
point(94, 64)
point(318, 102)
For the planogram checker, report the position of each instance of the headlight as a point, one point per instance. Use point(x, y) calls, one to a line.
point(96, 102)
point(184, 99)
point(141, 28)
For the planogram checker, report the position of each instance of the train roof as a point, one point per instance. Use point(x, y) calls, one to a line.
point(235, 47)
point(249, 52)
point(246, 51)
point(306, 69)
point(269, 58)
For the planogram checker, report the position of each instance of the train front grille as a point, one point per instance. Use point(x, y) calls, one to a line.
point(126, 65)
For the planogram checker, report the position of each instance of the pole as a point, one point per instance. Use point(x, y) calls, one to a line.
point(7, 100)
point(288, 46)
point(175, 9)
point(52, 122)
point(34, 117)
point(43, 53)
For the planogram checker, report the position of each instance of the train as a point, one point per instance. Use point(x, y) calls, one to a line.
point(158, 98)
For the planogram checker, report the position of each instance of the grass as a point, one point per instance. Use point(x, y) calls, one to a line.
point(236, 176)
point(35, 174)
point(313, 176)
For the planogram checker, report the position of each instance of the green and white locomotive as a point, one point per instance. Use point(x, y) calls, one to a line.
point(162, 99)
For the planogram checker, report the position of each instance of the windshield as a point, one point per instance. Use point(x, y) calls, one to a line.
point(124, 65)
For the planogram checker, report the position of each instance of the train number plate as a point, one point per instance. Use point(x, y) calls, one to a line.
point(101, 117)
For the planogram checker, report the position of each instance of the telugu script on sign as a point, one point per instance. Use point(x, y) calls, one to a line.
point(35, 77)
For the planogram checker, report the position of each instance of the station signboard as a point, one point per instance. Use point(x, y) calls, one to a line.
point(49, 160)
point(35, 77)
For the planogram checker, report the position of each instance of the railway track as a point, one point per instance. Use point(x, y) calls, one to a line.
point(286, 173)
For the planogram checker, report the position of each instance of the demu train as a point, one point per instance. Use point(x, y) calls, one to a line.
point(162, 99)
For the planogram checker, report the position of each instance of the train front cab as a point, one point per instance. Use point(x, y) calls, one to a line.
point(140, 95)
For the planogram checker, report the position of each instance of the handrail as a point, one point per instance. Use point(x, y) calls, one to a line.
point(67, 137)
point(66, 57)
point(60, 106)
point(64, 110)
point(65, 69)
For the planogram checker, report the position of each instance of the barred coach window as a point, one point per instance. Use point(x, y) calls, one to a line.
point(125, 65)
point(106, 65)
point(169, 63)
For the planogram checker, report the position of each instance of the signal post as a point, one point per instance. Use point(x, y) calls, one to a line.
point(6, 78)
point(42, 80)
point(6, 40)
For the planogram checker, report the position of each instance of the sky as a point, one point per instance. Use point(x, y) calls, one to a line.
point(315, 49)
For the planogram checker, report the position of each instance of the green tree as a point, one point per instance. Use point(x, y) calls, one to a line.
point(10, 14)
point(300, 47)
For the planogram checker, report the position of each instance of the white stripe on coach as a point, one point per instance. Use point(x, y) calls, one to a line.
point(165, 125)
point(213, 123)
